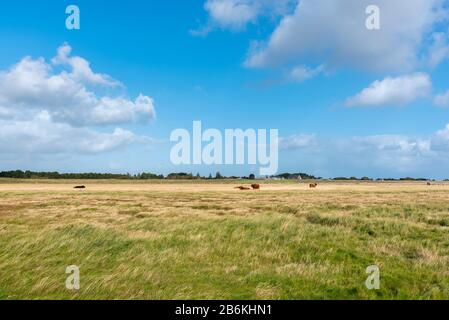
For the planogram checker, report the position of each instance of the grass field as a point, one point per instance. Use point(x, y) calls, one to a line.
point(171, 240)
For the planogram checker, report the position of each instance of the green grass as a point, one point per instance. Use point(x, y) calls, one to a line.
point(214, 245)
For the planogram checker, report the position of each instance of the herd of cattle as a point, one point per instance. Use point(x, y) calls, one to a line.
point(254, 186)
point(257, 186)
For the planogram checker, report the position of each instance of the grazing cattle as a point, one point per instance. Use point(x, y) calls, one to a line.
point(80, 187)
point(429, 184)
point(243, 188)
point(255, 186)
point(313, 185)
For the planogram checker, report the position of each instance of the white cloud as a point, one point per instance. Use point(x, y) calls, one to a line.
point(440, 141)
point(334, 33)
point(232, 13)
point(393, 143)
point(116, 110)
point(441, 100)
point(390, 153)
point(40, 135)
point(32, 85)
point(297, 141)
point(81, 70)
point(393, 91)
point(236, 14)
point(45, 111)
point(303, 73)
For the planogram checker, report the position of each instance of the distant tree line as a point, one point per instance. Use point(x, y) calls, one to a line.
point(379, 179)
point(295, 176)
point(305, 176)
point(19, 174)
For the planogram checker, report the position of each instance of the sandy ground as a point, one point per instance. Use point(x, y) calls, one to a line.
point(68, 186)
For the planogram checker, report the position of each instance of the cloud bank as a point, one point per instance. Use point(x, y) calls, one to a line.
point(49, 107)
point(394, 155)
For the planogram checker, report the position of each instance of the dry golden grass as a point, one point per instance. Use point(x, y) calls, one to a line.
point(168, 240)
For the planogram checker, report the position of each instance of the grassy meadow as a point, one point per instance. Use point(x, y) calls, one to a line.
point(197, 240)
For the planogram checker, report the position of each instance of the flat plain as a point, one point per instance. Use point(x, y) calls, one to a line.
point(208, 240)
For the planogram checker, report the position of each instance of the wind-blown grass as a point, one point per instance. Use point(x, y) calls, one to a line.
point(188, 244)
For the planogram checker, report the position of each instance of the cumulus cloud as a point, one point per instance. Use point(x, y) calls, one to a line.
point(334, 33)
point(33, 85)
point(117, 110)
point(81, 68)
point(232, 13)
point(393, 91)
point(44, 110)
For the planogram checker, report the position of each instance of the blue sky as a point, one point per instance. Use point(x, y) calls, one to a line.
point(346, 100)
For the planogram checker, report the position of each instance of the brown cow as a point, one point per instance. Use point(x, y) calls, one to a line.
point(313, 185)
point(255, 186)
point(242, 188)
